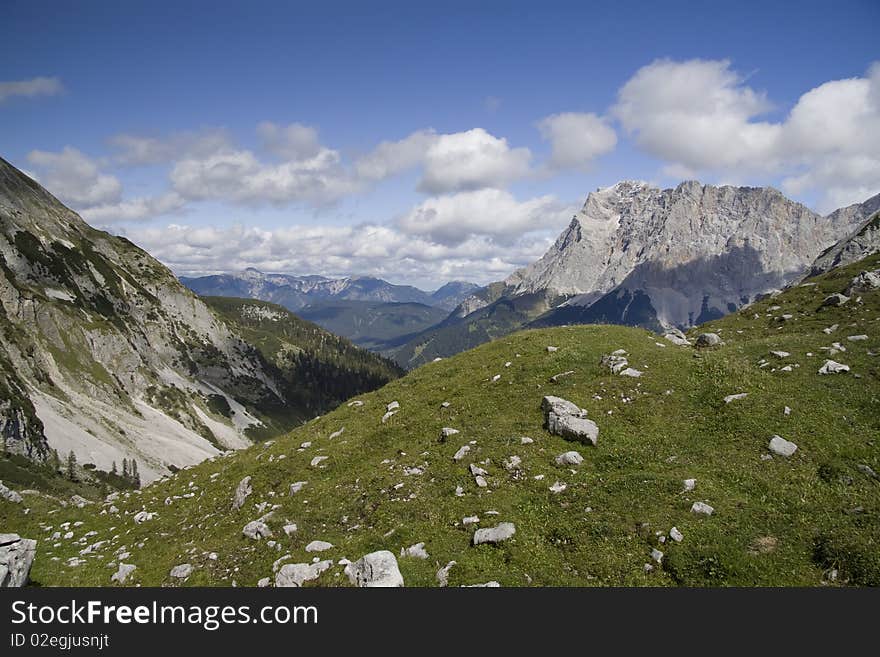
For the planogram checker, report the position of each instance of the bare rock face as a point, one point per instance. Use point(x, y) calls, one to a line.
point(862, 241)
point(16, 556)
point(681, 255)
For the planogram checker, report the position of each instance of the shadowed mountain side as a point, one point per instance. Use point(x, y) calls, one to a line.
point(653, 296)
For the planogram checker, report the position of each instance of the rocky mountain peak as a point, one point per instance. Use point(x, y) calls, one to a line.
point(691, 248)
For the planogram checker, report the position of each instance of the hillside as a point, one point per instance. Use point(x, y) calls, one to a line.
point(317, 370)
point(376, 326)
point(808, 519)
point(104, 354)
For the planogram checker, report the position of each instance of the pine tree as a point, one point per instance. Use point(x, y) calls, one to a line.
point(113, 468)
point(135, 475)
point(55, 461)
point(71, 466)
point(125, 468)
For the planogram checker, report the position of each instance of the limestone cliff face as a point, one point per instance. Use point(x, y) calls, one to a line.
point(864, 241)
point(103, 352)
point(691, 252)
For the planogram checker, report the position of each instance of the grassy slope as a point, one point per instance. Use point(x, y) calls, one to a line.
point(821, 510)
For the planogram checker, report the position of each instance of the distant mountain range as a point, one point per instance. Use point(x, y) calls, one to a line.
point(294, 292)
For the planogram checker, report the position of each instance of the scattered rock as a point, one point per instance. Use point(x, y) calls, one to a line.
point(525, 440)
point(830, 329)
point(416, 551)
point(264, 582)
point(558, 487)
point(318, 546)
point(701, 508)
point(241, 493)
point(445, 432)
point(569, 458)
point(494, 535)
point(336, 434)
point(470, 520)
point(781, 446)
point(832, 367)
point(739, 395)
point(555, 378)
point(656, 555)
point(512, 463)
point(562, 418)
point(550, 350)
point(615, 363)
point(708, 340)
point(393, 406)
point(182, 571)
point(460, 454)
point(377, 569)
point(629, 371)
point(122, 572)
point(256, 530)
point(857, 338)
point(295, 574)
point(315, 462)
point(143, 516)
point(865, 282)
point(867, 470)
point(16, 557)
point(834, 300)
point(289, 529)
point(388, 416)
point(443, 574)
point(689, 485)
point(356, 403)
point(9, 495)
point(676, 337)
point(676, 535)
point(780, 354)
point(297, 487)
point(78, 501)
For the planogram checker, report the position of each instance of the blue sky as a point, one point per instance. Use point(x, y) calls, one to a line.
point(223, 135)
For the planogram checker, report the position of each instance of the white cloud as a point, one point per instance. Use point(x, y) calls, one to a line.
point(138, 209)
point(240, 177)
point(697, 114)
point(472, 160)
point(136, 150)
point(75, 178)
point(32, 88)
point(701, 118)
point(453, 219)
point(577, 139)
point(368, 249)
point(390, 158)
point(291, 142)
